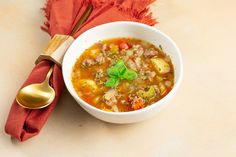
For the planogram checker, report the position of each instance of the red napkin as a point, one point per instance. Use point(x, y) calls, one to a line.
point(61, 17)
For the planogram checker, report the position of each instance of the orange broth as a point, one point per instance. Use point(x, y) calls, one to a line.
point(150, 84)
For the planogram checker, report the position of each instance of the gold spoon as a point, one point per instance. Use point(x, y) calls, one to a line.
point(36, 96)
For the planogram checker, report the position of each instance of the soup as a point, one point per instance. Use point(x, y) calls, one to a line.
point(122, 74)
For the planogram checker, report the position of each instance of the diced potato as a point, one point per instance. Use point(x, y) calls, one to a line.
point(161, 65)
point(95, 52)
point(87, 85)
point(110, 94)
point(115, 108)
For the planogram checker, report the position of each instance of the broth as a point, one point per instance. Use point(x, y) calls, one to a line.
point(122, 74)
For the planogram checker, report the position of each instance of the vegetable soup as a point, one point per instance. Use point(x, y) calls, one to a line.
point(122, 74)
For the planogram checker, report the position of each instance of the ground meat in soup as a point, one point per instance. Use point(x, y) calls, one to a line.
point(123, 74)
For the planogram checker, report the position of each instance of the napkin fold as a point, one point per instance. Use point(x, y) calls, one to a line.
point(24, 123)
point(61, 16)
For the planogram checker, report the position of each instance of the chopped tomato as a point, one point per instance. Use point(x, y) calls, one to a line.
point(128, 99)
point(138, 104)
point(123, 45)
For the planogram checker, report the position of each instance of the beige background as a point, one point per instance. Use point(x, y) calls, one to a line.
point(199, 122)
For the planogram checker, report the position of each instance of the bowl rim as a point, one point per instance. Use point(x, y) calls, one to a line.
point(146, 109)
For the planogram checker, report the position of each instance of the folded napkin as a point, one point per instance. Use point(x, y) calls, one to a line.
point(61, 17)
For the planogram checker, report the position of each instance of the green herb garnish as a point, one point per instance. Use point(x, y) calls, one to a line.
point(119, 71)
point(129, 75)
point(112, 81)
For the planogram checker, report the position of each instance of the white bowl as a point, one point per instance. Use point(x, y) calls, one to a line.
point(114, 30)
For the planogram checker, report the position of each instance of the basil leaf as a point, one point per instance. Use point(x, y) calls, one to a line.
point(129, 75)
point(112, 82)
point(112, 72)
point(120, 66)
point(117, 70)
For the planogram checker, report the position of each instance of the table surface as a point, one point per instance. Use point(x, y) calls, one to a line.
point(199, 121)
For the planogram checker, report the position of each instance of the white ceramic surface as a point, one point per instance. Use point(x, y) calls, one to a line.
point(114, 30)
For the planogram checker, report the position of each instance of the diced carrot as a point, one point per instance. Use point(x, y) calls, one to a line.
point(88, 99)
point(138, 104)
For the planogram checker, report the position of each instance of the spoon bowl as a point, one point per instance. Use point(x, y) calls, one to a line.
point(36, 96)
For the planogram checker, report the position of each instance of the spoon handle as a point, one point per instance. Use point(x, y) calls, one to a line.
point(46, 81)
point(82, 19)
